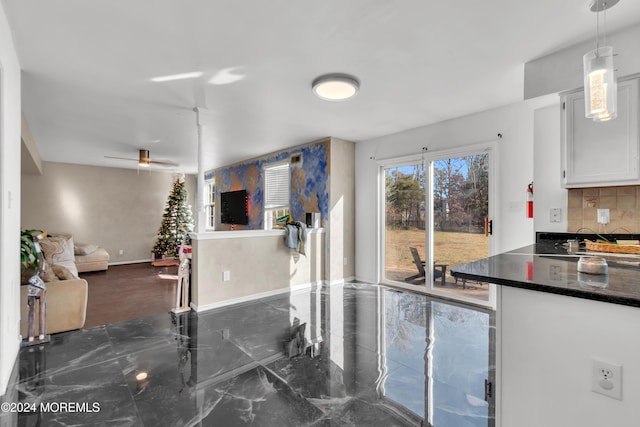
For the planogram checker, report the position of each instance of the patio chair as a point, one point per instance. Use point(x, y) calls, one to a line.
point(464, 282)
point(439, 270)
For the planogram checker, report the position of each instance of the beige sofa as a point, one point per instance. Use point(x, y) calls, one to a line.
point(66, 306)
point(95, 260)
point(66, 293)
point(77, 257)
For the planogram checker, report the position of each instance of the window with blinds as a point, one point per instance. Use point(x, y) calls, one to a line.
point(276, 194)
point(276, 186)
point(210, 205)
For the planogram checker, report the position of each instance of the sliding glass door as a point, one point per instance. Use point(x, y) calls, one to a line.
point(405, 221)
point(437, 213)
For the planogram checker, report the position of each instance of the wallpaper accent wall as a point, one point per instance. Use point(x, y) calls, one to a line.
point(309, 183)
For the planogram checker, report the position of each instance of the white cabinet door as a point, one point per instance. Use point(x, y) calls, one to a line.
point(603, 153)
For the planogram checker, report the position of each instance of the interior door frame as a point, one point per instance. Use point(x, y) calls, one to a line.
point(428, 157)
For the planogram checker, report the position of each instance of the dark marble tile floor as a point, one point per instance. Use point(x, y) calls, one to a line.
point(372, 356)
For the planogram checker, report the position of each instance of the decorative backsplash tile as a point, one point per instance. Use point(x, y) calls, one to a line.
point(623, 204)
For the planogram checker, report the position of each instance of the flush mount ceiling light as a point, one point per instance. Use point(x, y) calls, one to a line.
point(600, 87)
point(335, 87)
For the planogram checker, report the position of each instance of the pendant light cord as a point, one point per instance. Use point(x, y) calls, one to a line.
point(604, 22)
point(597, 30)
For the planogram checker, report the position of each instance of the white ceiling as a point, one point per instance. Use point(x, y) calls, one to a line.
point(87, 69)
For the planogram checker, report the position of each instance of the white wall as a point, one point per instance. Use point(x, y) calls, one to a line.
point(341, 237)
point(10, 124)
point(548, 192)
point(258, 262)
point(514, 172)
point(546, 360)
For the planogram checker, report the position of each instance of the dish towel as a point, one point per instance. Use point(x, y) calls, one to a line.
point(296, 236)
point(291, 236)
point(302, 237)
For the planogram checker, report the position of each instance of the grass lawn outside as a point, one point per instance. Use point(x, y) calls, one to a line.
point(450, 248)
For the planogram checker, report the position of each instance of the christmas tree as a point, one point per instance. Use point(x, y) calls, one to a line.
point(175, 221)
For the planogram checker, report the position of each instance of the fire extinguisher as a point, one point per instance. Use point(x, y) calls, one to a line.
point(530, 200)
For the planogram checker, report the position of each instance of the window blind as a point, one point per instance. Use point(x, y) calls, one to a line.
point(211, 193)
point(276, 186)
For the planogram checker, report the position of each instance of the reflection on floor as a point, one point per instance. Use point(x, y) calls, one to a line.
point(373, 356)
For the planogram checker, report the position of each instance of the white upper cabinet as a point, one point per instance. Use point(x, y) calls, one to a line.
point(604, 153)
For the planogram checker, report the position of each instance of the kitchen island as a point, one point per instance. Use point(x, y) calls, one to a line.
point(552, 323)
point(550, 268)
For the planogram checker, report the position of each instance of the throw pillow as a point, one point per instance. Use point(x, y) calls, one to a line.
point(57, 248)
point(62, 272)
point(48, 274)
point(80, 249)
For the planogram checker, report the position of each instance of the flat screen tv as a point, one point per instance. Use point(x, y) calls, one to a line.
point(233, 207)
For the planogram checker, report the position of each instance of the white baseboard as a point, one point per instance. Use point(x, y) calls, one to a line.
point(340, 281)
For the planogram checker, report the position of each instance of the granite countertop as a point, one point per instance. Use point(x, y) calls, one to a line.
point(545, 267)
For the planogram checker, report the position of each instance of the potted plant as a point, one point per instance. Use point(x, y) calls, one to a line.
point(28, 252)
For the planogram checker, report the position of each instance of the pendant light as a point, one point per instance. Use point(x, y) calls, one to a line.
point(600, 87)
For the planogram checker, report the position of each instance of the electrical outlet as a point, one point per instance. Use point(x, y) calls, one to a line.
point(606, 378)
point(603, 216)
point(121, 252)
point(226, 276)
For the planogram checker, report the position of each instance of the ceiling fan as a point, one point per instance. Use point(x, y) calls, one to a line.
point(144, 160)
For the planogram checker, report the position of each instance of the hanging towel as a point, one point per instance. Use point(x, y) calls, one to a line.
point(291, 236)
point(296, 236)
point(302, 237)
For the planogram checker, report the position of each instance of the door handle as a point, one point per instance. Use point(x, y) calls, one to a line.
point(488, 227)
point(488, 390)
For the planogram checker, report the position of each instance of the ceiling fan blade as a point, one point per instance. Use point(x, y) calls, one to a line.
point(145, 158)
point(163, 162)
point(120, 158)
